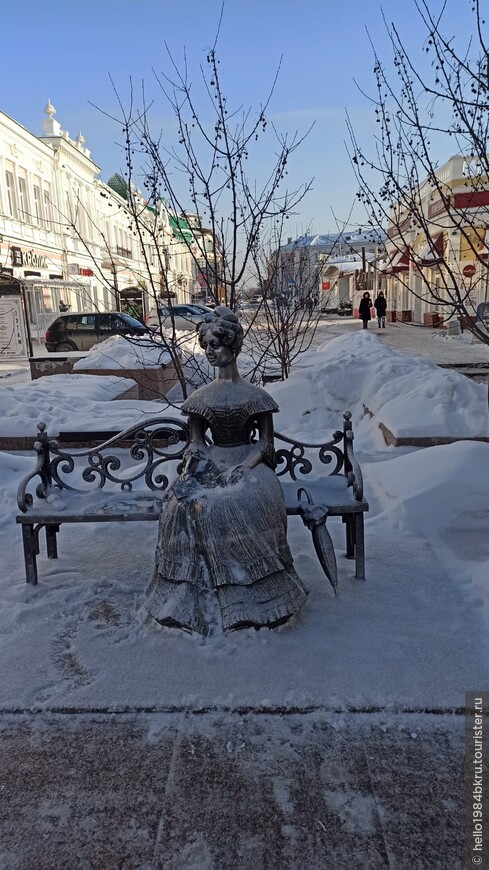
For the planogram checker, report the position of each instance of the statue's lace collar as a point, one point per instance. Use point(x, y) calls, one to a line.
point(229, 395)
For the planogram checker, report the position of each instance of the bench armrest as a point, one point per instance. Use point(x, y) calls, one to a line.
point(354, 473)
point(41, 470)
point(148, 445)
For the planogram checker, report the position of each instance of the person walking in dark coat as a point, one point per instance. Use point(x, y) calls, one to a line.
point(364, 309)
point(380, 307)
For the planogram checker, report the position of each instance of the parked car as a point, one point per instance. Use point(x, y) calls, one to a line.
point(345, 308)
point(80, 331)
point(185, 316)
point(249, 307)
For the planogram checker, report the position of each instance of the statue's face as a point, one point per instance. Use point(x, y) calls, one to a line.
point(217, 353)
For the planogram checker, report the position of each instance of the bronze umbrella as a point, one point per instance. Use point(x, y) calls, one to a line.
point(314, 517)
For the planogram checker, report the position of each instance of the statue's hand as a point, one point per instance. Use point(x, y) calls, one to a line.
point(192, 456)
point(265, 454)
point(236, 474)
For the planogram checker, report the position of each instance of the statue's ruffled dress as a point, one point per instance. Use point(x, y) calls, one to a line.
point(222, 559)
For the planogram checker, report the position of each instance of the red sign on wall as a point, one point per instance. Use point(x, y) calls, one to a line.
point(468, 270)
point(326, 285)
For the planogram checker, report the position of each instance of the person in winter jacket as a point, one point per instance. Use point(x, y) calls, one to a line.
point(380, 307)
point(364, 309)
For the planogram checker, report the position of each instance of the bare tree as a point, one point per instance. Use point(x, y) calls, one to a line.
point(432, 220)
point(284, 322)
point(230, 208)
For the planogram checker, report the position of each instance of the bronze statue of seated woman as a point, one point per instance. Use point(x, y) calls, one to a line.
point(222, 558)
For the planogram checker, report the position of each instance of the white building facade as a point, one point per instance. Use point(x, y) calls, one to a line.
point(71, 240)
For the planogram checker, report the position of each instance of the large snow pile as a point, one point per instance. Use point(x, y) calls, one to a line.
point(438, 487)
point(411, 396)
point(75, 402)
point(118, 352)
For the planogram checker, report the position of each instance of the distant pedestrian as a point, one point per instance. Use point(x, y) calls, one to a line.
point(364, 309)
point(63, 306)
point(380, 305)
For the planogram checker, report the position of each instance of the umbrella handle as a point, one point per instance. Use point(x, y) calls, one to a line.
point(306, 493)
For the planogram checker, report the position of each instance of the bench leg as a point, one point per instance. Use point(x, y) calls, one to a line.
point(30, 541)
point(350, 537)
point(359, 548)
point(51, 544)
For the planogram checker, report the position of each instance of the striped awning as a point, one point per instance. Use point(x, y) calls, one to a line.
point(398, 261)
point(432, 252)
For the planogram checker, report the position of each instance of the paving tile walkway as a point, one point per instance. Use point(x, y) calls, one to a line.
point(181, 791)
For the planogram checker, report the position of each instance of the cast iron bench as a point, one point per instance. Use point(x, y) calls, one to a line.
point(124, 478)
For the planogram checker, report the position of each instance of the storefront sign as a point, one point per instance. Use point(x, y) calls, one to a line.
point(469, 270)
point(439, 206)
point(20, 257)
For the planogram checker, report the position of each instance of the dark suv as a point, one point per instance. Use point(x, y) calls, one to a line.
point(81, 331)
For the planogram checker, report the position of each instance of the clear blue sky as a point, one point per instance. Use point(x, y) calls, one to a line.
point(66, 51)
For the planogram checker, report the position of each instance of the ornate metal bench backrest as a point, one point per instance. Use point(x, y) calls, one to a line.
point(294, 460)
point(146, 447)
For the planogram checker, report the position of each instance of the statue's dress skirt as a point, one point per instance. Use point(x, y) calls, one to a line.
point(222, 559)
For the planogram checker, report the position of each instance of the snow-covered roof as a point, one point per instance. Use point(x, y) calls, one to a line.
point(331, 240)
point(349, 264)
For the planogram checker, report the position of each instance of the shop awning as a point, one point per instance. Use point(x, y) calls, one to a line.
point(343, 268)
point(432, 252)
point(398, 261)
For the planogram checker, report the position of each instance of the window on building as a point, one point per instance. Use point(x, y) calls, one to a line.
point(48, 209)
point(11, 202)
point(38, 215)
point(68, 209)
point(24, 211)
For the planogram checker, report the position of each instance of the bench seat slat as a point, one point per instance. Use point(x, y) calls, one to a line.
point(332, 492)
point(98, 506)
point(104, 506)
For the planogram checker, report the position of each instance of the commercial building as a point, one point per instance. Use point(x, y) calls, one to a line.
point(69, 239)
point(437, 246)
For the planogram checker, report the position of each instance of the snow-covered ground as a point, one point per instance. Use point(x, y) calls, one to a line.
point(414, 635)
